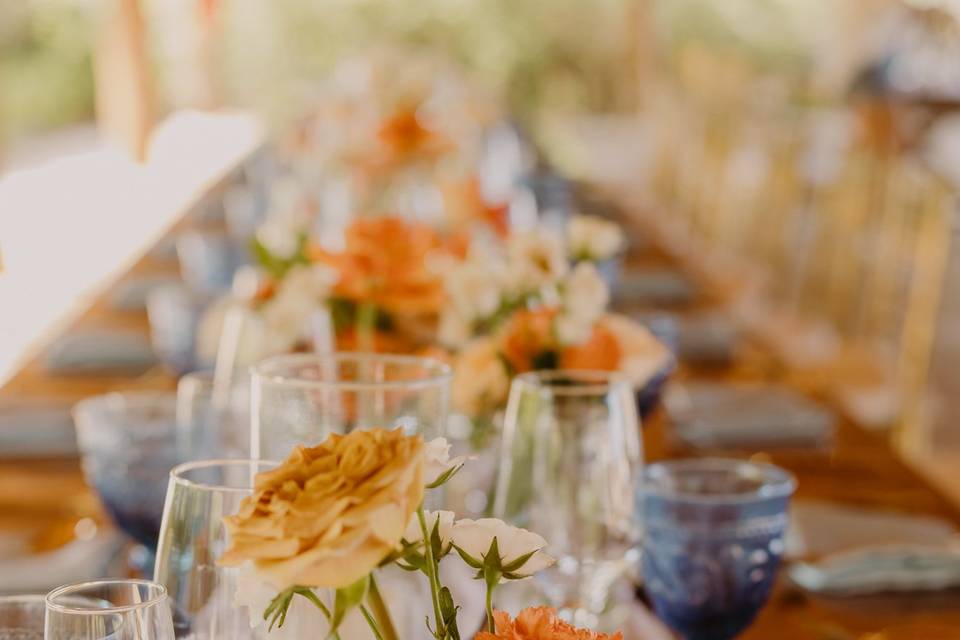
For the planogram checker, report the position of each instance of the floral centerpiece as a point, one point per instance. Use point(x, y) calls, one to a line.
point(322, 525)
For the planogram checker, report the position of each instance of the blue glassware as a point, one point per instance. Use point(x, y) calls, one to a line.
point(713, 538)
point(128, 444)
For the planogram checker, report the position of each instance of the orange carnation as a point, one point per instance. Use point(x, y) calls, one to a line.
point(539, 623)
point(385, 263)
point(528, 335)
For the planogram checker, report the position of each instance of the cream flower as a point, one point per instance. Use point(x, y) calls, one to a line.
point(480, 379)
point(454, 330)
point(474, 537)
point(585, 298)
point(593, 238)
point(536, 258)
point(414, 534)
point(329, 514)
point(437, 460)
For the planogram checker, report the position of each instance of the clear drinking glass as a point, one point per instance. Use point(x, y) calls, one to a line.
point(192, 539)
point(128, 444)
point(21, 617)
point(114, 609)
point(214, 416)
point(713, 538)
point(571, 455)
point(300, 399)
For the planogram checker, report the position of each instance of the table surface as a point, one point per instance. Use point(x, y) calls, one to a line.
point(45, 498)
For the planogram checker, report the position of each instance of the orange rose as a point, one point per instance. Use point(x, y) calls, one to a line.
point(539, 623)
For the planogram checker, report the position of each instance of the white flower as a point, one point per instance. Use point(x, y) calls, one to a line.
point(536, 258)
point(286, 315)
point(252, 592)
point(475, 287)
point(437, 460)
point(279, 237)
point(593, 238)
point(571, 329)
point(474, 537)
point(414, 534)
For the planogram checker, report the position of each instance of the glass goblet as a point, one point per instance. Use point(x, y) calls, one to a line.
point(192, 539)
point(128, 443)
point(300, 399)
point(570, 459)
point(114, 609)
point(713, 538)
point(21, 617)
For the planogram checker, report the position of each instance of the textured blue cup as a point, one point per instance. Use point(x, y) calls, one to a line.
point(713, 537)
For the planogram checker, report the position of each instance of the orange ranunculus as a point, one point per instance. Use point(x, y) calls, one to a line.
point(539, 623)
point(384, 263)
point(527, 335)
point(601, 352)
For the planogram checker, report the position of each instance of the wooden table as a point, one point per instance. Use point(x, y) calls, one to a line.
point(45, 497)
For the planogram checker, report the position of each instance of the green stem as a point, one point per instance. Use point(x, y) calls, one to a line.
point(371, 622)
point(366, 324)
point(431, 567)
point(491, 626)
point(380, 612)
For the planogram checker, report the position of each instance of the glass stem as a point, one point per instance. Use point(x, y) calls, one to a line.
point(441, 631)
point(380, 612)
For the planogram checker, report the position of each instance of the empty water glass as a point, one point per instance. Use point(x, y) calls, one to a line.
point(571, 456)
point(192, 539)
point(21, 617)
point(712, 543)
point(114, 609)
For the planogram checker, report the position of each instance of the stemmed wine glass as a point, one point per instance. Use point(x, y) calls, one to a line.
point(114, 609)
point(300, 399)
point(713, 538)
point(21, 617)
point(571, 456)
point(192, 539)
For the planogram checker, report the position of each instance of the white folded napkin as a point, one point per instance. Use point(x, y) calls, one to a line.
point(709, 415)
point(892, 568)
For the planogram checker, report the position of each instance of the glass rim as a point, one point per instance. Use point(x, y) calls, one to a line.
point(71, 589)
point(139, 396)
point(439, 372)
point(777, 482)
point(177, 477)
point(573, 382)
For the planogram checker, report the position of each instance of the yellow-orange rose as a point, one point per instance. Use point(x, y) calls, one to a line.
point(539, 623)
point(329, 514)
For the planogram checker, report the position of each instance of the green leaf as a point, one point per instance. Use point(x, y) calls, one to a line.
point(436, 544)
point(519, 562)
point(492, 557)
point(346, 599)
point(470, 560)
point(449, 612)
point(444, 477)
